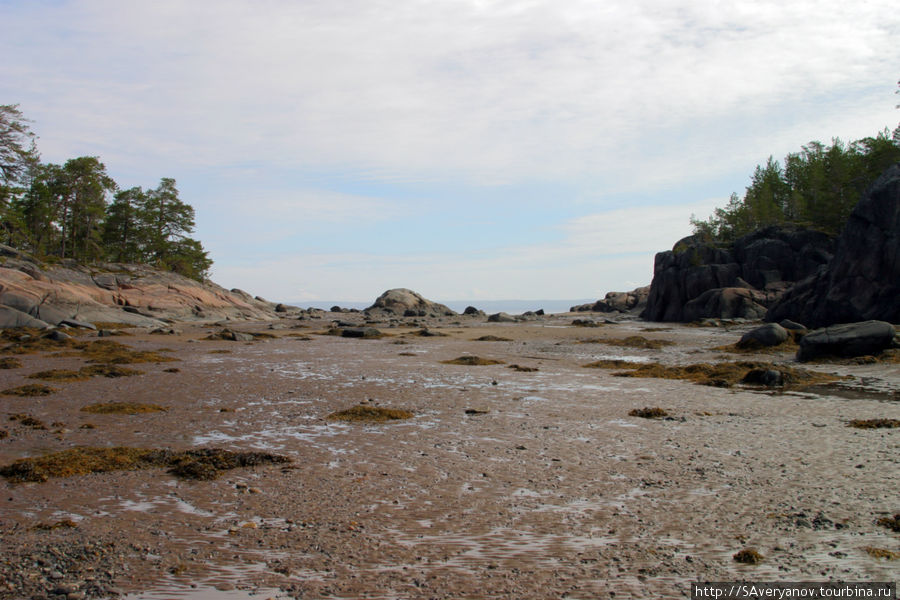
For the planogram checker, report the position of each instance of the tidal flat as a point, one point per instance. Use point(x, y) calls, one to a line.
point(541, 481)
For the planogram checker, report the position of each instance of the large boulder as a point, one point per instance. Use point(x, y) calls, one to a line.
point(847, 340)
point(11, 318)
point(404, 302)
point(862, 282)
point(765, 262)
point(770, 334)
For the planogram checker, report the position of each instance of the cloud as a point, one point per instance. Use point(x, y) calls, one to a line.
point(486, 91)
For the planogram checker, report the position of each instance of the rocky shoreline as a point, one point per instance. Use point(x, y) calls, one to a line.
point(525, 475)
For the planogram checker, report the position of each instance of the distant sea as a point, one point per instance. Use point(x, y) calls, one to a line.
point(513, 307)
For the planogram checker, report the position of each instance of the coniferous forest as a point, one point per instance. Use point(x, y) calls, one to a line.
point(76, 210)
point(816, 188)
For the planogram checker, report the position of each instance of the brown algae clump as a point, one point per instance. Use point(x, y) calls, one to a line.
point(102, 370)
point(370, 414)
point(882, 553)
point(892, 523)
point(29, 391)
point(748, 556)
point(9, 362)
point(123, 408)
point(874, 423)
point(59, 375)
point(522, 369)
point(472, 361)
point(727, 374)
point(28, 421)
point(615, 363)
point(202, 464)
point(491, 338)
point(649, 413)
point(114, 353)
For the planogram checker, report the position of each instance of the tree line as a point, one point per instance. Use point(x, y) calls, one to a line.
point(75, 210)
point(816, 187)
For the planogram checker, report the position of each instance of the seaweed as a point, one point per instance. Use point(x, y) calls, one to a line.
point(470, 361)
point(104, 370)
point(122, 408)
point(202, 464)
point(29, 391)
point(522, 369)
point(648, 413)
point(375, 414)
point(28, 421)
point(9, 362)
point(63, 524)
point(59, 375)
point(726, 374)
point(612, 364)
point(874, 423)
point(114, 353)
point(748, 556)
point(491, 338)
point(882, 553)
point(892, 523)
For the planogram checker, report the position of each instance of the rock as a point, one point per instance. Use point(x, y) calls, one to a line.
point(361, 332)
point(765, 262)
point(766, 377)
point(10, 317)
point(401, 301)
point(633, 301)
point(280, 308)
point(58, 336)
point(472, 311)
point(726, 303)
point(847, 340)
point(793, 326)
point(81, 324)
point(770, 334)
point(132, 294)
point(501, 317)
point(862, 282)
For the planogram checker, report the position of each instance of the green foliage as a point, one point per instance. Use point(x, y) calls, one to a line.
point(63, 211)
point(817, 187)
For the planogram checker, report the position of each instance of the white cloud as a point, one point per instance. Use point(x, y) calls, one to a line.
point(488, 91)
point(599, 99)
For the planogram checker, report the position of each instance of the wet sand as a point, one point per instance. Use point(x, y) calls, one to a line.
point(545, 488)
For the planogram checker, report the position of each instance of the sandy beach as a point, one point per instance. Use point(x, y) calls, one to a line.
point(506, 483)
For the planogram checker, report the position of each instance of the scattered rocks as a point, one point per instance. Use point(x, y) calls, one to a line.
point(847, 340)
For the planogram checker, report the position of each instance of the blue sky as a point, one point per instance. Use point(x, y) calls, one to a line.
point(467, 149)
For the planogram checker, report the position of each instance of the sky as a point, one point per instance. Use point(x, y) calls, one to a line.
point(466, 149)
